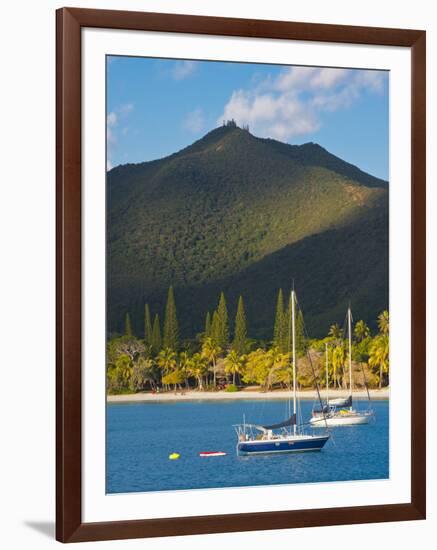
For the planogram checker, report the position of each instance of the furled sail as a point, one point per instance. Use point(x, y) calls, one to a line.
point(289, 422)
point(341, 402)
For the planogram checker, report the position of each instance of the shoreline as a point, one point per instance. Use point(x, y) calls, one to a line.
point(222, 395)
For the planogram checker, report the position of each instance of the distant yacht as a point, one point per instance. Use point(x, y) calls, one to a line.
point(284, 437)
point(340, 412)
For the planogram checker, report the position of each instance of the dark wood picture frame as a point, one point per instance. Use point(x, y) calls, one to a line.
point(69, 525)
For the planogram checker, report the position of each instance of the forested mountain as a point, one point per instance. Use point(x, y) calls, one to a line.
point(245, 215)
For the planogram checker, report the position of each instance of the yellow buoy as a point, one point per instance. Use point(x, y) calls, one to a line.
point(174, 456)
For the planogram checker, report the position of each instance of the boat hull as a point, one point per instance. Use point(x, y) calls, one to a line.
point(207, 454)
point(341, 420)
point(285, 445)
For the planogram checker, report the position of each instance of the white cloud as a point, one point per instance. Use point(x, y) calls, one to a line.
point(110, 136)
point(299, 79)
point(194, 121)
point(111, 119)
point(373, 80)
point(291, 104)
point(126, 108)
point(183, 69)
point(108, 165)
point(113, 132)
point(280, 116)
point(111, 122)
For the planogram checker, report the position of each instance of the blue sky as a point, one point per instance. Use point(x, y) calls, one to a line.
point(158, 106)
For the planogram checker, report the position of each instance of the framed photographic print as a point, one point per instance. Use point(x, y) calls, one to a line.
point(240, 274)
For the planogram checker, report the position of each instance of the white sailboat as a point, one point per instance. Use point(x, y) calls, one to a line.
point(285, 437)
point(340, 411)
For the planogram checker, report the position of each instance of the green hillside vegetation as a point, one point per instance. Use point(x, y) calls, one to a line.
point(245, 216)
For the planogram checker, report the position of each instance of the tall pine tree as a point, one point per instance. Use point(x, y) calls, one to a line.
point(299, 329)
point(208, 325)
point(156, 336)
point(279, 331)
point(127, 325)
point(240, 337)
point(147, 326)
point(222, 330)
point(215, 327)
point(171, 329)
point(300, 334)
point(288, 327)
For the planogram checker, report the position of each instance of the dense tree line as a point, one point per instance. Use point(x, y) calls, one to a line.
point(220, 357)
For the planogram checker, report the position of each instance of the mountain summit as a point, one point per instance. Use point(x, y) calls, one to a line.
point(246, 215)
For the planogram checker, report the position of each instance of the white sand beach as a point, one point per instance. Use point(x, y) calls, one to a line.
point(244, 394)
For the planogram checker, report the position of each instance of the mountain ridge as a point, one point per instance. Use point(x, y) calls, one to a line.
point(223, 131)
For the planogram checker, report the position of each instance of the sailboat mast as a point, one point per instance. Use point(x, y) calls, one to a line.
point(349, 319)
point(293, 331)
point(327, 374)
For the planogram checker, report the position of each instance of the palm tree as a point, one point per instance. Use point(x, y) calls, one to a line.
point(184, 365)
point(197, 368)
point(337, 361)
point(124, 369)
point(379, 355)
point(234, 364)
point(335, 332)
point(266, 367)
point(361, 331)
point(175, 377)
point(258, 366)
point(210, 352)
point(166, 361)
point(383, 322)
point(280, 370)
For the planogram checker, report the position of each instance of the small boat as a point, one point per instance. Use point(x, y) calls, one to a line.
point(212, 453)
point(340, 412)
point(284, 437)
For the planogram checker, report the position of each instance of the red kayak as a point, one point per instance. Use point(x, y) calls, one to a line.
point(212, 453)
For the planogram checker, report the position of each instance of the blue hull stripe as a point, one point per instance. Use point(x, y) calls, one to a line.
point(282, 446)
